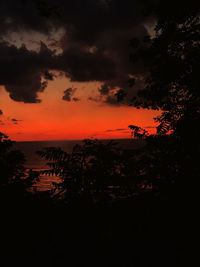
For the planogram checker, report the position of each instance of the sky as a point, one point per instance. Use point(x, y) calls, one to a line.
point(64, 66)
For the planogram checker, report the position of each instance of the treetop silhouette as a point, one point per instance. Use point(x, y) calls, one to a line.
point(172, 60)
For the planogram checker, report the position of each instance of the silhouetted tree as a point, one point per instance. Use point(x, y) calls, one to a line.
point(137, 132)
point(94, 170)
point(11, 162)
point(172, 83)
point(172, 61)
point(14, 181)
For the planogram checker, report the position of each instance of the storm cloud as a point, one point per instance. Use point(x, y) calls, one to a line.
point(22, 70)
point(95, 46)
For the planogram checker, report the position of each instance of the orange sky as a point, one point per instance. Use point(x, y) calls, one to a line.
point(54, 118)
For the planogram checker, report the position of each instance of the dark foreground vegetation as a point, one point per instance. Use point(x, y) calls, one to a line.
point(112, 207)
point(119, 207)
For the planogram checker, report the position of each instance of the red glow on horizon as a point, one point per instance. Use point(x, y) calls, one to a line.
point(55, 119)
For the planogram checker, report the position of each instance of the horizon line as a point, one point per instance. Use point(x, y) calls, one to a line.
point(50, 140)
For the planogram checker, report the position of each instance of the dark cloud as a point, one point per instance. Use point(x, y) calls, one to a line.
point(22, 70)
point(95, 99)
point(22, 15)
point(95, 46)
point(68, 93)
point(15, 120)
point(49, 75)
point(75, 99)
point(1, 112)
point(116, 130)
point(84, 66)
point(105, 60)
point(104, 89)
point(123, 93)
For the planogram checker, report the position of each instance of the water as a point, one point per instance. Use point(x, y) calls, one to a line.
point(35, 162)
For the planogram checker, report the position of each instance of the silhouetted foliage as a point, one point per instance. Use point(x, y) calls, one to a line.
point(11, 162)
point(14, 179)
point(172, 84)
point(172, 61)
point(137, 132)
point(96, 169)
